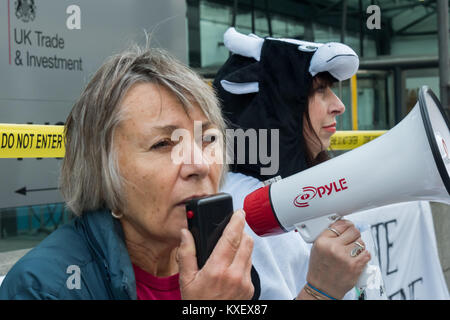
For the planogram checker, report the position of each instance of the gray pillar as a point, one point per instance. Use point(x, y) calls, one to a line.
point(441, 221)
point(344, 21)
point(442, 13)
point(398, 94)
point(193, 16)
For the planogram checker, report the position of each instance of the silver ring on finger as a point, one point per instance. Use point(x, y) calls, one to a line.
point(334, 230)
point(357, 249)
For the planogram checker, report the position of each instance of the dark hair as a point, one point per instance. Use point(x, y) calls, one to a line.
point(322, 79)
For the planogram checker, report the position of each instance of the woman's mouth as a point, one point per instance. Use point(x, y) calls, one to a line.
point(330, 128)
point(186, 200)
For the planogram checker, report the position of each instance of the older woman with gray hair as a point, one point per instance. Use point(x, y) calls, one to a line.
point(129, 238)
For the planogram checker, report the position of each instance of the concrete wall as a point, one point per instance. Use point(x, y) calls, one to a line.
point(441, 219)
point(8, 259)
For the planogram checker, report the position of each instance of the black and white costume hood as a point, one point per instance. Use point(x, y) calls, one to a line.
point(264, 84)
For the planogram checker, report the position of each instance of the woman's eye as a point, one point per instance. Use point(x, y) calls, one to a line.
point(209, 138)
point(161, 144)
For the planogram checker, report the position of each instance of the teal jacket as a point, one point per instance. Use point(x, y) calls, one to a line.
point(84, 259)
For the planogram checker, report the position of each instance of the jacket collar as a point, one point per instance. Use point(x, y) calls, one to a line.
point(105, 235)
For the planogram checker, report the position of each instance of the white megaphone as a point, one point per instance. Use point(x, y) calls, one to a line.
point(409, 162)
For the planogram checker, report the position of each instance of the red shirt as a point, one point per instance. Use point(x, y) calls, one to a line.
point(149, 287)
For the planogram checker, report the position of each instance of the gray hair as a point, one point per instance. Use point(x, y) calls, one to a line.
point(90, 177)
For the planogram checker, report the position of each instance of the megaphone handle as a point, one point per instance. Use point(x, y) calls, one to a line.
point(311, 229)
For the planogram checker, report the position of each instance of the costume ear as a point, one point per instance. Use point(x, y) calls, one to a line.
point(243, 80)
point(336, 58)
point(247, 46)
point(240, 88)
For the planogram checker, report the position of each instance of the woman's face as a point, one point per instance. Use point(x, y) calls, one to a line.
point(323, 108)
point(156, 187)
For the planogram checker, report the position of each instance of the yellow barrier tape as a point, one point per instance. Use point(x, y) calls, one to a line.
point(346, 140)
point(31, 141)
point(45, 141)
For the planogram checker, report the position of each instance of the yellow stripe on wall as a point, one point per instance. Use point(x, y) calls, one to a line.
point(354, 93)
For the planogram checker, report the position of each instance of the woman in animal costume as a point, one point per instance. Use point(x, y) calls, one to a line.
point(277, 93)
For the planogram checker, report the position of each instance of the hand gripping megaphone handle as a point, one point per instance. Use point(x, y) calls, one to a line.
point(370, 279)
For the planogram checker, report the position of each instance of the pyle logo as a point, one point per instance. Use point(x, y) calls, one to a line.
point(302, 199)
point(309, 193)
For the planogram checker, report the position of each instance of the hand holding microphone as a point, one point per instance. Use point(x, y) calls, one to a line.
point(227, 272)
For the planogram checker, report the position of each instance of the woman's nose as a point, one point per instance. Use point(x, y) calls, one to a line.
point(336, 106)
point(195, 164)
